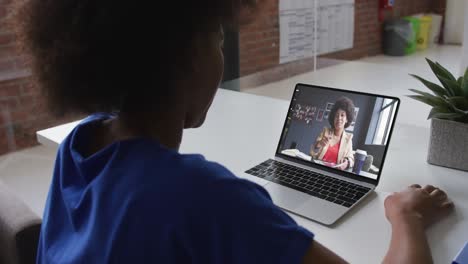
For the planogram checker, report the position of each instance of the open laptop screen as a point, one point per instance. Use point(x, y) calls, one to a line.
point(343, 130)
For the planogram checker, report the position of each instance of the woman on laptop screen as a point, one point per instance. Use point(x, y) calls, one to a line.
point(334, 146)
point(121, 192)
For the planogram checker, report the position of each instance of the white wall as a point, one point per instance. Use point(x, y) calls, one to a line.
point(454, 18)
point(464, 60)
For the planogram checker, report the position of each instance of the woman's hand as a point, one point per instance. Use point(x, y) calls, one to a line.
point(424, 205)
point(325, 139)
point(344, 164)
point(409, 213)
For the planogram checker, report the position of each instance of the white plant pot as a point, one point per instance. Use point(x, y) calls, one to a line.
point(448, 145)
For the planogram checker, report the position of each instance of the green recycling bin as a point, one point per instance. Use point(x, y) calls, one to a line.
point(415, 25)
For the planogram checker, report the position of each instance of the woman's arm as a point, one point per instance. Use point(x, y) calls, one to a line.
point(320, 142)
point(348, 158)
point(408, 243)
point(349, 151)
point(319, 254)
point(409, 213)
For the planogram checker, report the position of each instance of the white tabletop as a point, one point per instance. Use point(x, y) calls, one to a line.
point(242, 130)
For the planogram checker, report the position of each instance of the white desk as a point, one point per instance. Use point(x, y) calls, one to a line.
point(242, 130)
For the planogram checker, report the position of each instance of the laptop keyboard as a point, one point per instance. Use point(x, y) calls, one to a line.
point(318, 185)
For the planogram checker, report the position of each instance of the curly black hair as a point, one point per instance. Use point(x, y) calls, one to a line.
point(345, 104)
point(114, 55)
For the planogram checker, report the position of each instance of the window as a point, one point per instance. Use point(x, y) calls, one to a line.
point(385, 119)
point(381, 121)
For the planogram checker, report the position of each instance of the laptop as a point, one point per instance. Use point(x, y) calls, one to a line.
point(331, 151)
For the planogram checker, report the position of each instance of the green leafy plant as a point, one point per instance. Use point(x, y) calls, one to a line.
point(450, 99)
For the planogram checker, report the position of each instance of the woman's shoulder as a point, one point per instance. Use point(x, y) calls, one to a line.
point(187, 177)
point(188, 170)
point(212, 177)
point(194, 180)
point(191, 168)
point(348, 136)
point(198, 164)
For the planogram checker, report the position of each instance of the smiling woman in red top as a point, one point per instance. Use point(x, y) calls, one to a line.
point(334, 144)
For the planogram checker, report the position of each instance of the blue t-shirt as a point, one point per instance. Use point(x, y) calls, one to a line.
point(136, 201)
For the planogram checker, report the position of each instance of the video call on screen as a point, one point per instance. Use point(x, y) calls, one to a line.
point(342, 130)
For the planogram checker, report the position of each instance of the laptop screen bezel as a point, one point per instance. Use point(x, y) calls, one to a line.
point(323, 167)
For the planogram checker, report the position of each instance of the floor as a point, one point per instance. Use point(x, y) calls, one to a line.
point(28, 172)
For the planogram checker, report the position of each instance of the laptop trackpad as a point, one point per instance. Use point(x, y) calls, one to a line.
point(305, 205)
point(285, 197)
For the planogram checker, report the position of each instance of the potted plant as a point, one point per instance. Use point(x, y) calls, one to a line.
point(448, 144)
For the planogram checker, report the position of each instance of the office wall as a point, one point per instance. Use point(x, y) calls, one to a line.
point(305, 134)
point(22, 108)
point(454, 19)
point(20, 113)
point(464, 61)
point(259, 41)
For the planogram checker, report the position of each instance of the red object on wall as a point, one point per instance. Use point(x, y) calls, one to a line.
point(385, 5)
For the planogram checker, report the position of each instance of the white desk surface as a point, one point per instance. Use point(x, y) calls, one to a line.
point(242, 130)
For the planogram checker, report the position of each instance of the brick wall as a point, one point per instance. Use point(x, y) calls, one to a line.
point(9, 59)
point(22, 112)
point(259, 41)
point(22, 108)
point(439, 6)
